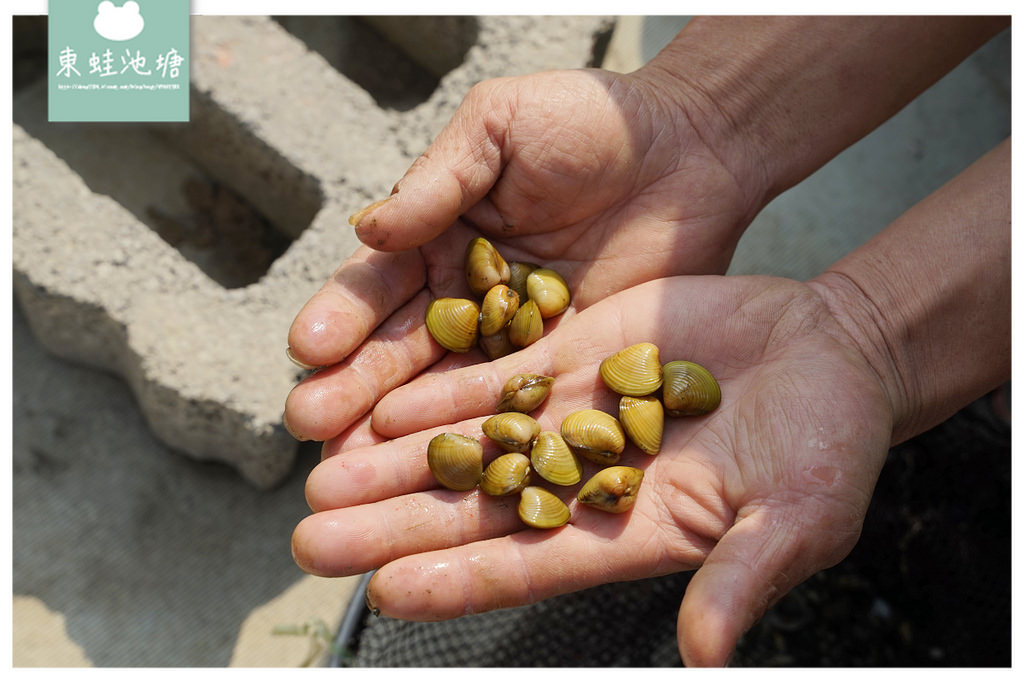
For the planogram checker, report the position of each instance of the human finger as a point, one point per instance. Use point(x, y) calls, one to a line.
point(366, 289)
point(455, 172)
point(326, 402)
point(358, 435)
point(570, 354)
point(443, 396)
point(353, 540)
point(526, 566)
point(381, 471)
point(757, 561)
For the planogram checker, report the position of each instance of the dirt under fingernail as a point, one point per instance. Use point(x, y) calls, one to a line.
point(358, 217)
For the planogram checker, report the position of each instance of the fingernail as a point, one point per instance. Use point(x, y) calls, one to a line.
point(295, 435)
point(374, 610)
point(292, 358)
point(358, 217)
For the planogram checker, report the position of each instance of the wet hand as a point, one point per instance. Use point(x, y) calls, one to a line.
point(760, 494)
point(595, 174)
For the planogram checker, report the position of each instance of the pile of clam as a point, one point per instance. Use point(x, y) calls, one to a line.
point(515, 299)
point(456, 460)
point(637, 375)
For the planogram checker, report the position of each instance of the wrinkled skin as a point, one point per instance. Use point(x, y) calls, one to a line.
point(617, 181)
point(760, 494)
point(594, 174)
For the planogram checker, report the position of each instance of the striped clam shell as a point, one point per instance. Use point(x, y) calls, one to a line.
point(690, 389)
point(453, 323)
point(633, 371)
point(455, 460)
point(512, 431)
point(507, 474)
point(553, 460)
point(643, 420)
point(594, 435)
point(542, 509)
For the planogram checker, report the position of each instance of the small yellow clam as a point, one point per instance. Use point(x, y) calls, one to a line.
point(554, 460)
point(485, 267)
point(518, 270)
point(613, 489)
point(524, 392)
point(527, 325)
point(542, 509)
point(594, 435)
point(512, 431)
point(453, 323)
point(497, 345)
point(549, 290)
point(643, 419)
point(690, 389)
point(507, 474)
point(633, 371)
point(499, 305)
point(455, 460)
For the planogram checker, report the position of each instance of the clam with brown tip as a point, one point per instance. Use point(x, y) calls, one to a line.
point(594, 435)
point(690, 389)
point(512, 431)
point(507, 474)
point(523, 393)
point(499, 305)
point(613, 489)
point(485, 266)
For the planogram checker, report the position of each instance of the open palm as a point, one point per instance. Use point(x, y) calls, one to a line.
point(591, 173)
point(759, 494)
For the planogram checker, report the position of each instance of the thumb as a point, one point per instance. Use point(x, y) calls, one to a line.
point(455, 172)
point(755, 563)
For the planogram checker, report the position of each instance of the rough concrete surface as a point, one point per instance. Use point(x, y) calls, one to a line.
point(275, 125)
point(127, 553)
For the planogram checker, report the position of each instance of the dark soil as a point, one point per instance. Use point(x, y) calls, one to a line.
point(929, 582)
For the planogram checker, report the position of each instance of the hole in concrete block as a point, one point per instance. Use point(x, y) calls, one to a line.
point(599, 48)
point(219, 231)
point(398, 60)
point(209, 223)
point(168, 177)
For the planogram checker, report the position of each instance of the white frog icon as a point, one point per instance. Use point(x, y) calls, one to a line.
point(118, 23)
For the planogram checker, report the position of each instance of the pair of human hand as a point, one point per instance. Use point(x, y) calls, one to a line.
point(603, 178)
point(588, 172)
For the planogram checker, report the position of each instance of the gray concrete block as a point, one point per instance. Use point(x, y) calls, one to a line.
point(118, 263)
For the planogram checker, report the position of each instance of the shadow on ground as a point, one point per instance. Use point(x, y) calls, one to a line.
point(152, 558)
